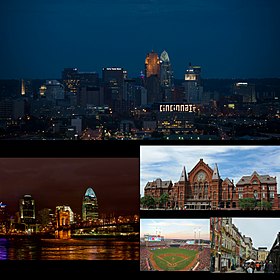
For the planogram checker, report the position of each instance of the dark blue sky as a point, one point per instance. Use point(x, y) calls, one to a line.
point(227, 38)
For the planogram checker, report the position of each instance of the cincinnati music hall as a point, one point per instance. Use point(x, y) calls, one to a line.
point(204, 189)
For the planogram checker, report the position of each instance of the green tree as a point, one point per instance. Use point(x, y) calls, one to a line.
point(247, 203)
point(264, 205)
point(148, 201)
point(164, 199)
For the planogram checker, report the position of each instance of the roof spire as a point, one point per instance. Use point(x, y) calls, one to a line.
point(216, 175)
point(183, 177)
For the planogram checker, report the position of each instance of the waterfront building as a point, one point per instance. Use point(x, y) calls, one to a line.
point(27, 211)
point(90, 206)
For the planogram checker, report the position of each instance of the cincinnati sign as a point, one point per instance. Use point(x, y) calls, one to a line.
point(177, 108)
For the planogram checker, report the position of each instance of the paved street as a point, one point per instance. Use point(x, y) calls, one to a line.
point(239, 270)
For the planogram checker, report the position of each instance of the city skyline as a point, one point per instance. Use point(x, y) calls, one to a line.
point(167, 162)
point(64, 181)
point(228, 39)
point(263, 231)
point(176, 228)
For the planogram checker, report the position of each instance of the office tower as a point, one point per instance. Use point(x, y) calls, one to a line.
point(90, 79)
point(27, 210)
point(113, 83)
point(89, 206)
point(2, 212)
point(52, 90)
point(166, 77)
point(71, 79)
point(90, 95)
point(77, 123)
point(246, 92)
point(152, 78)
point(152, 65)
point(22, 87)
point(193, 85)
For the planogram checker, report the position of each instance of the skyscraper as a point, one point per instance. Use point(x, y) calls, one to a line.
point(71, 79)
point(166, 77)
point(113, 82)
point(166, 74)
point(22, 87)
point(152, 65)
point(89, 206)
point(27, 210)
point(192, 84)
point(152, 78)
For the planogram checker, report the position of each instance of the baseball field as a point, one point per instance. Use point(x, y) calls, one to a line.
point(173, 259)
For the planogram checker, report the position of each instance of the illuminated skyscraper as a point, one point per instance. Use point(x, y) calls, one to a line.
point(192, 85)
point(166, 77)
point(152, 65)
point(166, 74)
point(71, 79)
point(246, 91)
point(113, 82)
point(22, 87)
point(2, 212)
point(152, 78)
point(89, 206)
point(27, 210)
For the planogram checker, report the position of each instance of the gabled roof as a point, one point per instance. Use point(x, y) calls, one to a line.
point(264, 179)
point(228, 182)
point(202, 163)
point(158, 183)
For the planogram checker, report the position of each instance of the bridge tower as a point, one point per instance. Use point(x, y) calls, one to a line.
point(63, 230)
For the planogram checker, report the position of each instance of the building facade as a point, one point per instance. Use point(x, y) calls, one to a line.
point(27, 211)
point(89, 206)
point(203, 189)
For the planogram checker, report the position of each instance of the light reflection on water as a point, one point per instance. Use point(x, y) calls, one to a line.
point(72, 249)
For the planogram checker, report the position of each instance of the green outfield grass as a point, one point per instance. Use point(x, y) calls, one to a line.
point(171, 259)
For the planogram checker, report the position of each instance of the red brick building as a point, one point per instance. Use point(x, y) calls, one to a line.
point(203, 189)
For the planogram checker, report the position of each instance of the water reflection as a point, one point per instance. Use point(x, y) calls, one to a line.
point(72, 249)
point(3, 248)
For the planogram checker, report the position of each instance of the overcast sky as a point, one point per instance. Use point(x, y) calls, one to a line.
point(228, 39)
point(176, 228)
point(167, 162)
point(263, 231)
point(64, 181)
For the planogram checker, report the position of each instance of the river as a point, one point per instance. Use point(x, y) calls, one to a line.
point(70, 249)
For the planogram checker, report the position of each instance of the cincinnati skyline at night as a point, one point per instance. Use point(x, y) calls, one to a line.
point(63, 181)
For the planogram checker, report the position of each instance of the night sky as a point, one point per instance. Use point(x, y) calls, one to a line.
point(228, 39)
point(63, 181)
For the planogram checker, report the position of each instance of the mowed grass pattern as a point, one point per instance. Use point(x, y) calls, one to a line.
point(171, 259)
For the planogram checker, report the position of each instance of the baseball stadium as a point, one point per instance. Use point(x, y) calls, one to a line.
point(158, 254)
